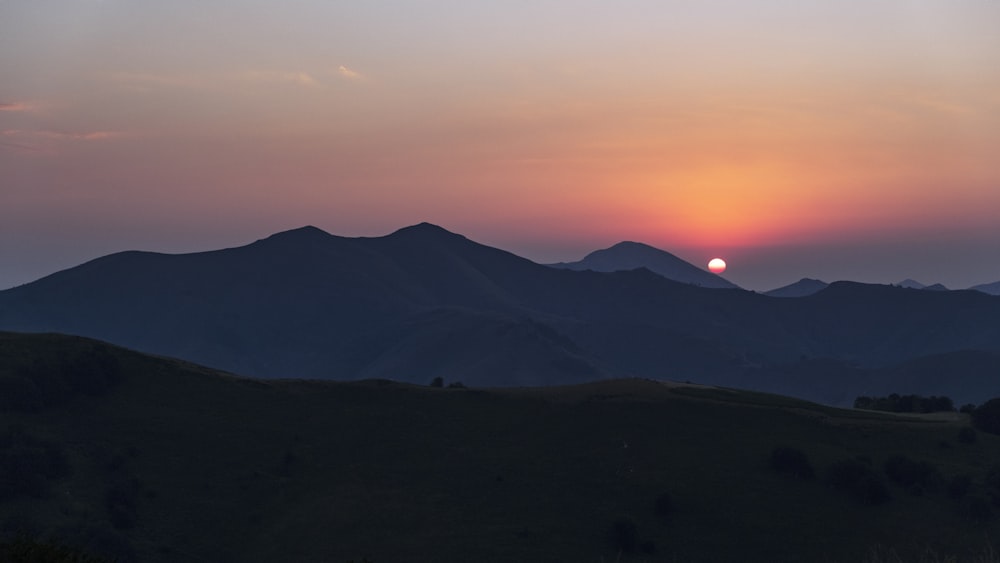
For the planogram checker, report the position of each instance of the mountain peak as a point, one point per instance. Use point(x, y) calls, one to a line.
point(306, 233)
point(424, 230)
point(629, 255)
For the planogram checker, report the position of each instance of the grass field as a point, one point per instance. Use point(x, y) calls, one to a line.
point(173, 462)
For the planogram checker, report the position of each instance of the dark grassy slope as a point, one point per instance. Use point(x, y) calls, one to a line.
point(306, 303)
point(193, 465)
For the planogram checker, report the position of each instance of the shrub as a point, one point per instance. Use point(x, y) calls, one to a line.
point(664, 505)
point(916, 477)
point(959, 486)
point(986, 417)
point(967, 408)
point(791, 462)
point(859, 480)
point(27, 550)
point(437, 382)
point(27, 464)
point(967, 435)
point(979, 509)
point(624, 534)
point(120, 504)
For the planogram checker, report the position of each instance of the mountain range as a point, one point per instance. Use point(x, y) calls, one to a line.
point(424, 302)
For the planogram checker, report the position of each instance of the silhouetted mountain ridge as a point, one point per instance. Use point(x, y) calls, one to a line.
point(424, 302)
point(629, 255)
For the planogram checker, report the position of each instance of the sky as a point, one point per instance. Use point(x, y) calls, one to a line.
point(834, 140)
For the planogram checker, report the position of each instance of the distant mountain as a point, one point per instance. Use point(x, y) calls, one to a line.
point(914, 284)
point(990, 288)
point(801, 288)
point(633, 255)
point(423, 302)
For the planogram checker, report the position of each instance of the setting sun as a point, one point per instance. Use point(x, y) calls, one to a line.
point(717, 265)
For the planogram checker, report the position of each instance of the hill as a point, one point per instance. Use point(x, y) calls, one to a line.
point(634, 255)
point(150, 459)
point(424, 302)
point(801, 288)
point(990, 288)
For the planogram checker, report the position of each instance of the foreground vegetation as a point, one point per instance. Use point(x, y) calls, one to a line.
point(127, 457)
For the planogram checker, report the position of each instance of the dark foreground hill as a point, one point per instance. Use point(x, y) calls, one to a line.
point(423, 303)
point(150, 459)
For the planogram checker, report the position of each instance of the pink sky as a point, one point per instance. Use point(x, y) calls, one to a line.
point(858, 140)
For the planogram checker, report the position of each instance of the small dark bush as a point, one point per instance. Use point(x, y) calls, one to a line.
point(624, 534)
point(916, 477)
point(986, 416)
point(791, 462)
point(120, 504)
point(905, 403)
point(28, 464)
point(27, 550)
point(967, 435)
point(859, 480)
point(992, 479)
point(967, 408)
point(437, 382)
point(664, 505)
point(959, 486)
point(979, 509)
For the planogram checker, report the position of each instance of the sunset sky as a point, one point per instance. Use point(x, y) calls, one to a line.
point(838, 140)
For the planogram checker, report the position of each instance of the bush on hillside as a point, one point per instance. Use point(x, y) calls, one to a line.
point(859, 480)
point(437, 382)
point(624, 534)
point(791, 462)
point(979, 509)
point(28, 550)
point(967, 408)
point(967, 435)
point(28, 464)
point(959, 486)
point(916, 477)
point(664, 505)
point(905, 403)
point(986, 417)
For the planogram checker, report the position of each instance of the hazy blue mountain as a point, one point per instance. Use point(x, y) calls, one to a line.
point(424, 302)
point(990, 288)
point(634, 255)
point(911, 284)
point(801, 288)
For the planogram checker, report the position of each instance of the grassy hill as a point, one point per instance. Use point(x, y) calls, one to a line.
point(151, 459)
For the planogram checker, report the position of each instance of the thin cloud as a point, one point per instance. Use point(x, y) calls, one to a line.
point(16, 106)
point(300, 78)
point(64, 135)
point(348, 73)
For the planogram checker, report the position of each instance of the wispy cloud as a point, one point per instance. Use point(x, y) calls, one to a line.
point(348, 73)
point(16, 106)
point(300, 78)
point(63, 135)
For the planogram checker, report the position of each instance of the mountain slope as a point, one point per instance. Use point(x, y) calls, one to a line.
point(424, 302)
point(634, 255)
point(801, 288)
point(990, 288)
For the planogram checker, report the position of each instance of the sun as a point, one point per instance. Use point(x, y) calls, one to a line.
point(717, 265)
